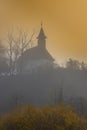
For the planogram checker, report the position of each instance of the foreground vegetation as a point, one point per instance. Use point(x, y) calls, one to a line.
point(46, 118)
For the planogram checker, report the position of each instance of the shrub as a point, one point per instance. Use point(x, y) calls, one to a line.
point(47, 118)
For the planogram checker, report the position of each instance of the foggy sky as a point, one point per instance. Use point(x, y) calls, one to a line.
point(64, 22)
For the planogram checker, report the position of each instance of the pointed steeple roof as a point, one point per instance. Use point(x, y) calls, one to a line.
point(41, 33)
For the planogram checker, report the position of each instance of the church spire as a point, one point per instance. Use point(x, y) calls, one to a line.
point(41, 33)
point(41, 38)
point(41, 24)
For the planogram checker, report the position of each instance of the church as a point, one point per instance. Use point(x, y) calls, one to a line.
point(37, 56)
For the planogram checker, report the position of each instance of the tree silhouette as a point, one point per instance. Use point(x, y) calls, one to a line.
point(73, 64)
point(3, 60)
point(17, 45)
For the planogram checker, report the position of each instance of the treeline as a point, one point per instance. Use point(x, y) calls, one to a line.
point(14, 47)
point(76, 65)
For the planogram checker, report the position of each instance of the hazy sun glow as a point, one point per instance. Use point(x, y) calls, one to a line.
point(65, 23)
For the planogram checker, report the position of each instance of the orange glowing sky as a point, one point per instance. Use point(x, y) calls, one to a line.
point(65, 23)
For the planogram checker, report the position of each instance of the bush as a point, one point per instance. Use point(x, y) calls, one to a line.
point(47, 118)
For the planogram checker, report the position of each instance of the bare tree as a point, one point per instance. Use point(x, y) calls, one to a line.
point(2, 49)
point(10, 51)
point(22, 42)
point(17, 45)
point(3, 60)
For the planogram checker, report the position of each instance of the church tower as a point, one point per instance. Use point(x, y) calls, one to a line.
point(41, 39)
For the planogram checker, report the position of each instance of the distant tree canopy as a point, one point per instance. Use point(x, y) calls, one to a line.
point(76, 65)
